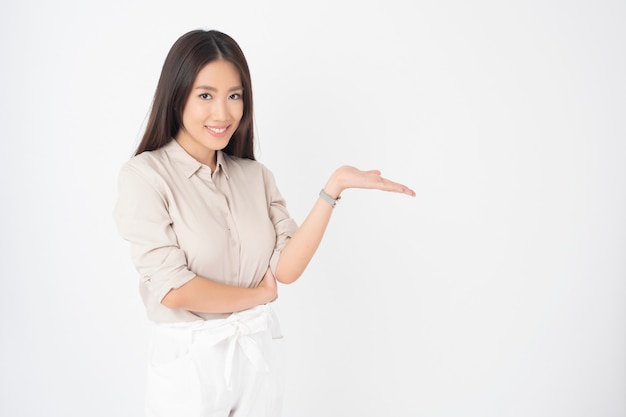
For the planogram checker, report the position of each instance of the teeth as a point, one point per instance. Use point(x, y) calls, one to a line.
point(216, 130)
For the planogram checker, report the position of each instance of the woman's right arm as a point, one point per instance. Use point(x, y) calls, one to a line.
point(143, 219)
point(201, 295)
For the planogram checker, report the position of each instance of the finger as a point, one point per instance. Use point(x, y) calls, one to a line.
point(388, 185)
point(406, 190)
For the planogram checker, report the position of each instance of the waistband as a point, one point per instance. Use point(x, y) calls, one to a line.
point(236, 329)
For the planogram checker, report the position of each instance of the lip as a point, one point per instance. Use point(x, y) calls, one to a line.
point(218, 131)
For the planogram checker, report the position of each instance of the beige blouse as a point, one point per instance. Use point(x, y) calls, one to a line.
point(182, 220)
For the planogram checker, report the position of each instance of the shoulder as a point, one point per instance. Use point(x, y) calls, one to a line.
point(148, 160)
point(148, 165)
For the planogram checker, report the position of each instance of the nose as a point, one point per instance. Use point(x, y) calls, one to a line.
point(220, 110)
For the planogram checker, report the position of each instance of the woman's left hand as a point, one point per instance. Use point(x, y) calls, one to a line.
point(350, 177)
point(300, 248)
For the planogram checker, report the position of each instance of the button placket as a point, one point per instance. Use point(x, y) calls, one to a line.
point(222, 186)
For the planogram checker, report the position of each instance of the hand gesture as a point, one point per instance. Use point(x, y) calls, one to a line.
point(350, 177)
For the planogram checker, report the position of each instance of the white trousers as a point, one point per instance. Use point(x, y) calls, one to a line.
point(229, 367)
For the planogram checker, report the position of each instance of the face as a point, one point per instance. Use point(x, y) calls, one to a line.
point(213, 111)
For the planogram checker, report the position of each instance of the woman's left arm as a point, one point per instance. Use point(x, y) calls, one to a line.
point(299, 250)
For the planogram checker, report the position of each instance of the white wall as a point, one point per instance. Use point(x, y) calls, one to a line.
point(498, 291)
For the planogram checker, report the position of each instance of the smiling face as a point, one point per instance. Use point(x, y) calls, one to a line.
point(212, 112)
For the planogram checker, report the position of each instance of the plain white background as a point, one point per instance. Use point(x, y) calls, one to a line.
point(500, 290)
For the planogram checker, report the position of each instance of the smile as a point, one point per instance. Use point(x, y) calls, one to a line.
point(217, 129)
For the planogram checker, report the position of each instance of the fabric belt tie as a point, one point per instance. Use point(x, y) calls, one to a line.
point(237, 330)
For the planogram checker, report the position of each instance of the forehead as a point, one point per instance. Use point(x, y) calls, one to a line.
point(218, 73)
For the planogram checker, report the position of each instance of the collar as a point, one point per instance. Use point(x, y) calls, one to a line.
point(189, 164)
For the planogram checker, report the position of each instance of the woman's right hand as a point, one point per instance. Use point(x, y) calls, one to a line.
point(269, 287)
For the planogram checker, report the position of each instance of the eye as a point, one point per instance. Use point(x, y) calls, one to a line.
point(235, 96)
point(205, 96)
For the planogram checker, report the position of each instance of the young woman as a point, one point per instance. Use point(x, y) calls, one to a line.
point(210, 235)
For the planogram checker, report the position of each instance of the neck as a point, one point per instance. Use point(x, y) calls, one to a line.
point(205, 156)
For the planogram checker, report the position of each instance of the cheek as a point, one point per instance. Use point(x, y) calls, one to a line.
point(197, 112)
point(239, 110)
point(188, 114)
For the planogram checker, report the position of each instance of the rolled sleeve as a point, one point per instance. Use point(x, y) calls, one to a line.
point(284, 225)
point(143, 220)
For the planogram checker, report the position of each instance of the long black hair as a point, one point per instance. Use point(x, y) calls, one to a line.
point(189, 54)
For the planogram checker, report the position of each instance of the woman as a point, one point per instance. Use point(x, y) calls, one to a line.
point(210, 235)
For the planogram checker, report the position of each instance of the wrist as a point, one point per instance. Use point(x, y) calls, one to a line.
point(332, 187)
point(328, 198)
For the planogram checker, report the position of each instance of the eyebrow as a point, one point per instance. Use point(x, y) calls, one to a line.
point(209, 88)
